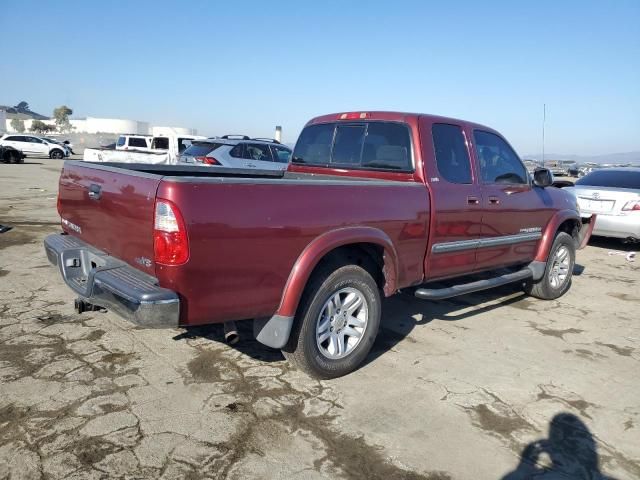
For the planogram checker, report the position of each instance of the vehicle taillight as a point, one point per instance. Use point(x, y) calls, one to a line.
point(170, 242)
point(353, 116)
point(208, 160)
point(632, 205)
point(59, 205)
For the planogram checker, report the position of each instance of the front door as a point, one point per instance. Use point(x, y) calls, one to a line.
point(456, 200)
point(38, 146)
point(513, 211)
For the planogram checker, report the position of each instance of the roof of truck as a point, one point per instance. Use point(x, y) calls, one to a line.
point(355, 115)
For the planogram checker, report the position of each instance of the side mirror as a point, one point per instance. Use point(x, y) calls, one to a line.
point(542, 177)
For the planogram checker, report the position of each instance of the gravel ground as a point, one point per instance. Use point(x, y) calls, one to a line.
point(487, 386)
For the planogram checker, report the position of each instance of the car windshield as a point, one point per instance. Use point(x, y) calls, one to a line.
point(201, 149)
point(612, 178)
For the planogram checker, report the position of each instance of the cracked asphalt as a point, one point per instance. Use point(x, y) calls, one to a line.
point(488, 386)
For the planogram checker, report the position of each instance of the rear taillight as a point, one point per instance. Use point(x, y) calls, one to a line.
point(208, 160)
point(631, 206)
point(59, 205)
point(170, 242)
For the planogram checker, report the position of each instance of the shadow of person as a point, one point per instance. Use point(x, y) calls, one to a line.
point(570, 450)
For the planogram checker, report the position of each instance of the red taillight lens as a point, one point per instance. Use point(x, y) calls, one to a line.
point(208, 160)
point(170, 242)
point(633, 205)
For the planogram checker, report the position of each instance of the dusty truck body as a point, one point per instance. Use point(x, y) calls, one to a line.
point(372, 203)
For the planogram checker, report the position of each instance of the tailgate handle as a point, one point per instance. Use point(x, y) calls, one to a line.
point(95, 191)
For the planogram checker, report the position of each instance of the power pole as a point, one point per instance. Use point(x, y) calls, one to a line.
point(544, 118)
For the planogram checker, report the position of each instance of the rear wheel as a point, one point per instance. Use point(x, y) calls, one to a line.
point(336, 324)
point(557, 274)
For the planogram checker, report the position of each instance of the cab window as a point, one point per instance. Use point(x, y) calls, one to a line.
point(497, 160)
point(452, 157)
point(362, 145)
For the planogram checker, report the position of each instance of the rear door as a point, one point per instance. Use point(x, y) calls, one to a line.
point(513, 211)
point(22, 143)
point(38, 146)
point(112, 209)
point(456, 200)
point(258, 155)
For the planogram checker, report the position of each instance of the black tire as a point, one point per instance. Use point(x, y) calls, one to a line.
point(544, 287)
point(56, 154)
point(302, 348)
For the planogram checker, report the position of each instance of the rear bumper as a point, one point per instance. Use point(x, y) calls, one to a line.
point(105, 281)
point(618, 226)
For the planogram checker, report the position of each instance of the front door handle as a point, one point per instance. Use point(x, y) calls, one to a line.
point(494, 201)
point(473, 200)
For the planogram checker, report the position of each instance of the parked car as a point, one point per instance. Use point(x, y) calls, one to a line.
point(11, 155)
point(561, 168)
point(238, 151)
point(161, 150)
point(372, 203)
point(32, 145)
point(64, 143)
point(614, 195)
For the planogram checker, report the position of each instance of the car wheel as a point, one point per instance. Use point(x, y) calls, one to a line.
point(57, 154)
point(558, 271)
point(337, 322)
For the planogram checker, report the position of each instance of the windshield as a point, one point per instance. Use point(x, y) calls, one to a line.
point(612, 178)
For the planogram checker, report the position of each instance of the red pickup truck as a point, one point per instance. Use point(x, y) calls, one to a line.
point(372, 203)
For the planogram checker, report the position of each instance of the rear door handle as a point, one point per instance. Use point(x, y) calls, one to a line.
point(494, 200)
point(473, 200)
point(95, 191)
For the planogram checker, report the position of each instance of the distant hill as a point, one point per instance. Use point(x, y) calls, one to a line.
point(626, 157)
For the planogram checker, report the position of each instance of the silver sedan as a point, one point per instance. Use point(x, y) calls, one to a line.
point(614, 195)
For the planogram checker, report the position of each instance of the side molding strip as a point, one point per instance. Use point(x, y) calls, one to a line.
point(447, 247)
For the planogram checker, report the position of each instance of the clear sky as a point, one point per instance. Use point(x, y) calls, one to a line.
point(244, 67)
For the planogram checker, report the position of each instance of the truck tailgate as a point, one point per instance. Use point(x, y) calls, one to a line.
point(110, 209)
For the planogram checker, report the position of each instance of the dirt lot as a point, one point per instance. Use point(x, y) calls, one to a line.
point(488, 386)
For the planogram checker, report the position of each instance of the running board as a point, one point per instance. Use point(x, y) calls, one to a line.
point(448, 292)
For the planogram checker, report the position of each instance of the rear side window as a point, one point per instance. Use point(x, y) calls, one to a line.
point(281, 154)
point(498, 162)
point(160, 143)
point(452, 157)
point(612, 178)
point(257, 151)
point(372, 145)
point(201, 149)
point(137, 142)
point(121, 141)
point(16, 138)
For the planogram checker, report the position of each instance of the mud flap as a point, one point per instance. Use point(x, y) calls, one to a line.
point(585, 231)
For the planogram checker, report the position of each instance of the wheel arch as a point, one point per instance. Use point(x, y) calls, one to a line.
point(366, 246)
point(563, 221)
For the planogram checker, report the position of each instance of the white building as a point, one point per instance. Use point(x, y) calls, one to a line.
point(104, 125)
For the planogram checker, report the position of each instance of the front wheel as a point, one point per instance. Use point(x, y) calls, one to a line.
point(57, 154)
point(336, 324)
point(557, 274)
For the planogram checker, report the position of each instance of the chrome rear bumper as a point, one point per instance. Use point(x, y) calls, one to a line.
point(103, 280)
